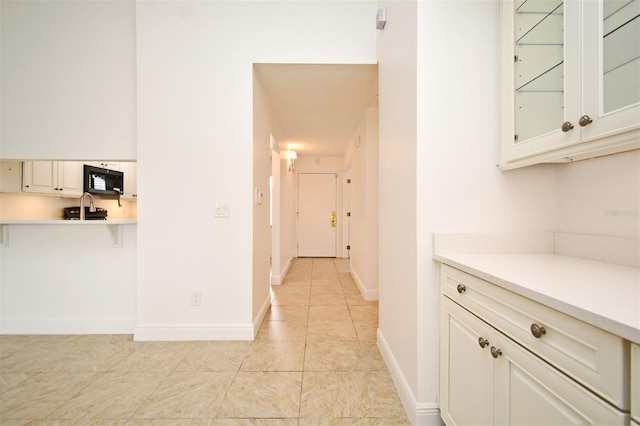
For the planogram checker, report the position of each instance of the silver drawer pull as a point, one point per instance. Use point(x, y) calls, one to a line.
point(461, 289)
point(495, 352)
point(538, 331)
point(483, 342)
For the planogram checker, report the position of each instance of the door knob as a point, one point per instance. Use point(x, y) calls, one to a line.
point(483, 342)
point(495, 352)
point(537, 330)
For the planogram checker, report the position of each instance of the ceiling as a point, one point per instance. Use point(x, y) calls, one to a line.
point(319, 106)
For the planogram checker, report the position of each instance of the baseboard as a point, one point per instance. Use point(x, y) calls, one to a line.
point(193, 332)
point(367, 294)
point(420, 414)
point(257, 322)
point(67, 327)
point(277, 279)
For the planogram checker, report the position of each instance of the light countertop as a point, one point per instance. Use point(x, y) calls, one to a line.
point(602, 294)
point(69, 222)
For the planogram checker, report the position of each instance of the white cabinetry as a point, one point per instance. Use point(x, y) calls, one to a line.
point(635, 383)
point(570, 80)
point(111, 165)
point(62, 178)
point(10, 176)
point(493, 373)
point(130, 180)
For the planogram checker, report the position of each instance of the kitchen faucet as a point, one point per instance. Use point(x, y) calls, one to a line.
point(92, 208)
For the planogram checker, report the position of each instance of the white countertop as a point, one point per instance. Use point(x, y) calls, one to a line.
point(602, 294)
point(69, 222)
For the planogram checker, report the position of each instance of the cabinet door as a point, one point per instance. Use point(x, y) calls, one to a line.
point(10, 176)
point(528, 390)
point(466, 369)
point(70, 181)
point(39, 177)
point(540, 76)
point(611, 66)
point(130, 180)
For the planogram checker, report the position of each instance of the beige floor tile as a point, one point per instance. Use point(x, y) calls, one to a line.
point(215, 356)
point(325, 282)
point(329, 313)
point(41, 394)
point(381, 398)
point(328, 299)
point(290, 300)
point(154, 356)
point(292, 288)
point(367, 335)
point(314, 361)
point(274, 356)
point(364, 315)
point(288, 313)
point(167, 422)
point(331, 330)
point(332, 394)
point(9, 380)
point(186, 395)
point(263, 395)
point(332, 289)
point(255, 422)
point(282, 331)
point(111, 396)
point(64, 358)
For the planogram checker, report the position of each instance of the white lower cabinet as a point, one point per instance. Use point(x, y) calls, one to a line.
point(487, 377)
point(635, 383)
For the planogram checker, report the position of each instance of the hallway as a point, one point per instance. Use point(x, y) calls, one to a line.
point(314, 361)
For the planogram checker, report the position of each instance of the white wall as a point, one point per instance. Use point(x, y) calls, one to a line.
point(363, 163)
point(53, 284)
point(600, 196)
point(68, 80)
point(438, 173)
point(195, 119)
point(263, 126)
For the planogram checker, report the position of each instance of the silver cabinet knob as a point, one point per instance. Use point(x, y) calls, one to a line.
point(585, 120)
point(483, 342)
point(566, 126)
point(461, 289)
point(537, 330)
point(495, 352)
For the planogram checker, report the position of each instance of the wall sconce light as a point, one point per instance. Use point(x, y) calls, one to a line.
point(293, 156)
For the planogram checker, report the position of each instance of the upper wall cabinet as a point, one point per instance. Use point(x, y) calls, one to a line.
point(570, 86)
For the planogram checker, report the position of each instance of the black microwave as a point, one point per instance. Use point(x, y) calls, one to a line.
point(103, 181)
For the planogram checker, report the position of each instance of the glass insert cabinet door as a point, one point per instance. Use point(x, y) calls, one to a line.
point(570, 80)
point(539, 67)
point(621, 54)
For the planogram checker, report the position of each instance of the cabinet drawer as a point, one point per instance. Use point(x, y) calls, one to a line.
point(592, 356)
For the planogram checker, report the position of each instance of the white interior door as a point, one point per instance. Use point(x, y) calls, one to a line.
point(317, 214)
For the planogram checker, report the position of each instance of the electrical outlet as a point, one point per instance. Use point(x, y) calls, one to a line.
point(196, 298)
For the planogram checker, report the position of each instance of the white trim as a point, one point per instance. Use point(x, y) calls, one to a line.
point(367, 294)
point(194, 332)
point(257, 321)
point(422, 414)
point(67, 327)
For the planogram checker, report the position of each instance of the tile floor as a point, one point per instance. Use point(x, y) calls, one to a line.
point(314, 361)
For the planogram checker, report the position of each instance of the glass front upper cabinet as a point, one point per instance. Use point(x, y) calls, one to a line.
point(539, 68)
point(570, 80)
